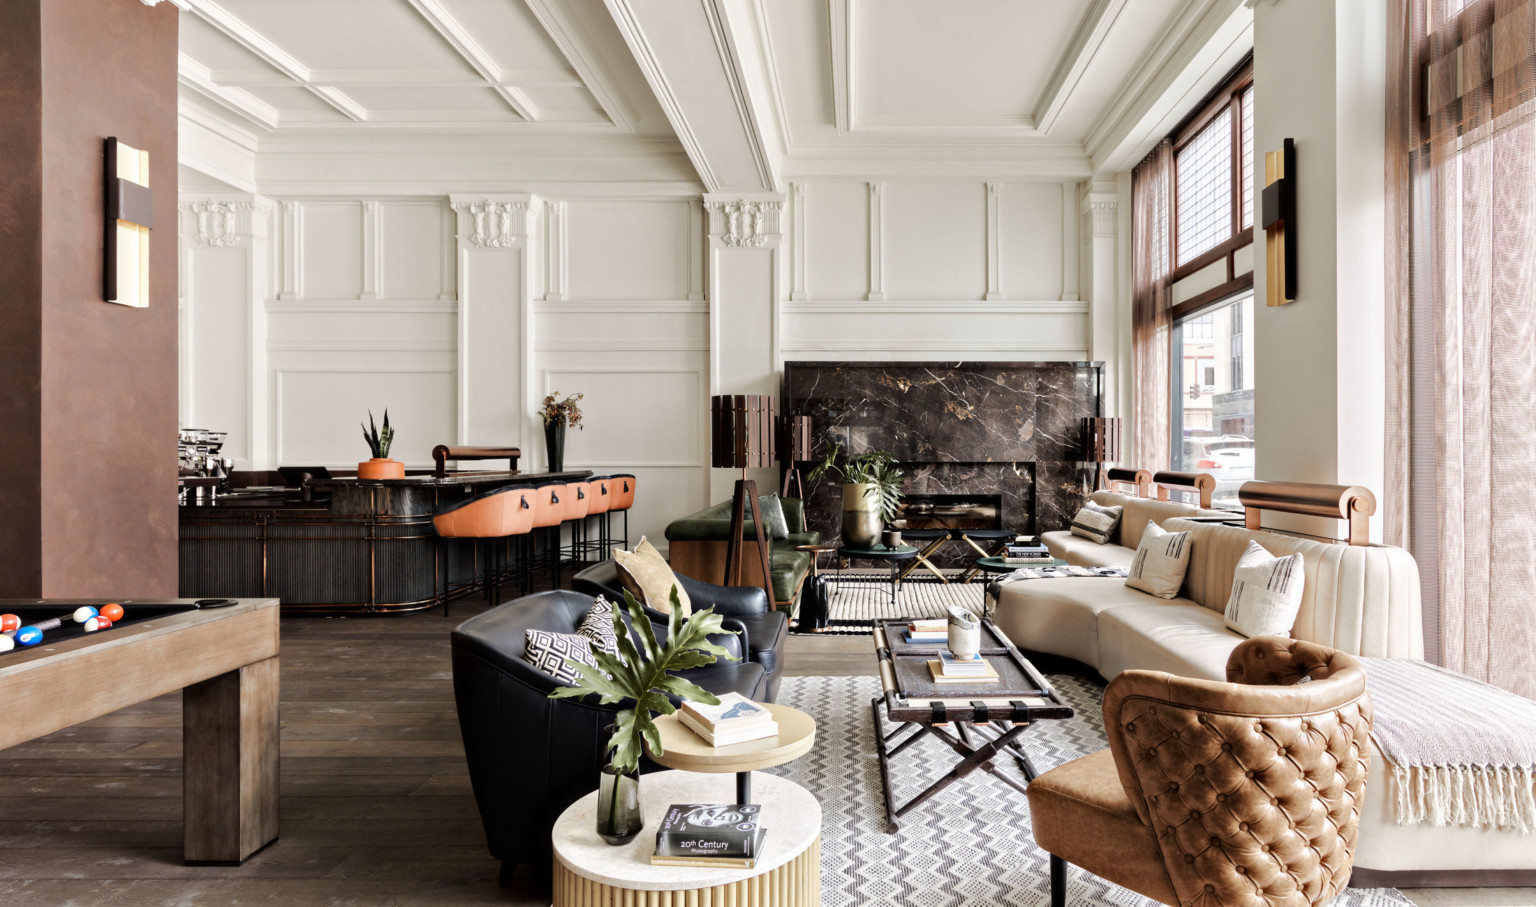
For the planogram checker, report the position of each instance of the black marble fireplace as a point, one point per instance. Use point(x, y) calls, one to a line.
point(1004, 429)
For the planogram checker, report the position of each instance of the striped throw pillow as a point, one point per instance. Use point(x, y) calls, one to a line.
point(1096, 523)
point(1266, 593)
point(1161, 559)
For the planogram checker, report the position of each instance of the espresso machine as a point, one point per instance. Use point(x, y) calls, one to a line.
point(202, 472)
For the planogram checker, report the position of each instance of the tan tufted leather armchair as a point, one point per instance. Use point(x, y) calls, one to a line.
point(1239, 793)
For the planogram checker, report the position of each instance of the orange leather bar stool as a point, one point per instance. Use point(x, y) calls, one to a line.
point(597, 511)
point(622, 488)
point(577, 500)
point(500, 514)
point(548, 514)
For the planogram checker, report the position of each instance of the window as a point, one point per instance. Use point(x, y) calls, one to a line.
point(1212, 396)
point(1213, 181)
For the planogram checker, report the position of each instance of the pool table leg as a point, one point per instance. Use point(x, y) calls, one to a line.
point(229, 764)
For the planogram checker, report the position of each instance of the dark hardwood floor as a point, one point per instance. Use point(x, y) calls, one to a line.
point(376, 802)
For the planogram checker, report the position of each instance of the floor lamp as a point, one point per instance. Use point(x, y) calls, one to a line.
point(794, 449)
point(1101, 444)
point(742, 435)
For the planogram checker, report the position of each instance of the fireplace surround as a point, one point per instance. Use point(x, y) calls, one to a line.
point(1009, 430)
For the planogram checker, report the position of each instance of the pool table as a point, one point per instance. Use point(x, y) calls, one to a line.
point(222, 655)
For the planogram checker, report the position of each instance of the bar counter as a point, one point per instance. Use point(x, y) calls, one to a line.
point(339, 546)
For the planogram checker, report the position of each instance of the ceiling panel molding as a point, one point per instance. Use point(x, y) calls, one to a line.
point(588, 66)
point(273, 55)
point(1089, 37)
point(197, 78)
point(468, 48)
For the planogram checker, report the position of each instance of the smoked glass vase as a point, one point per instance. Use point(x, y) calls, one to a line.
point(618, 806)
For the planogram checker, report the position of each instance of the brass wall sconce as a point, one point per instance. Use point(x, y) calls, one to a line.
point(130, 216)
point(1279, 220)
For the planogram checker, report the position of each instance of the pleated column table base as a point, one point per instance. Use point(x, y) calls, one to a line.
point(590, 873)
point(793, 884)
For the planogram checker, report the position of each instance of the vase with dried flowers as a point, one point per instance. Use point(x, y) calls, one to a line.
point(558, 414)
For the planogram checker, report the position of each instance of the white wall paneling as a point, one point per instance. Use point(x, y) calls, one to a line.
point(317, 409)
point(627, 249)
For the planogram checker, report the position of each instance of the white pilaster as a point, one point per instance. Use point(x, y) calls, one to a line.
point(293, 251)
point(497, 251)
point(556, 271)
point(1101, 209)
point(994, 290)
point(797, 210)
point(876, 243)
point(373, 251)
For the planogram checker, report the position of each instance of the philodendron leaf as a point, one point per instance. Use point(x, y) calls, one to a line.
point(687, 689)
point(643, 628)
point(625, 743)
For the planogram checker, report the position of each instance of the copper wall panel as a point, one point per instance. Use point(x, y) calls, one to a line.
point(106, 391)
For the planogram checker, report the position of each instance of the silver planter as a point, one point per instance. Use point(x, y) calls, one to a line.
point(861, 528)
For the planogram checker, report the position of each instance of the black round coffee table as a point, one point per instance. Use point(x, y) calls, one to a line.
point(893, 556)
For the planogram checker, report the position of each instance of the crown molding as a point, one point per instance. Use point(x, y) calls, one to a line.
point(1080, 51)
point(196, 79)
point(589, 67)
point(841, 30)
point(940, 307)
point(470, 51)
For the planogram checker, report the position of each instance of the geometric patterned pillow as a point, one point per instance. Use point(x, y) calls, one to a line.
point(597, 626)
point(1096, 523)
point(1266, 593)
point(549, 653)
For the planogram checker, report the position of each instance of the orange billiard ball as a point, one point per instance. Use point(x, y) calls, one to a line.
point(112, 612)
point(9, 622)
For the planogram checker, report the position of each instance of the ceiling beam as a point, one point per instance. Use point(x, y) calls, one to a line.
point(588, 67)
point(470, 50)
point(841, 26)
point(274, 56)
point(1078, 56)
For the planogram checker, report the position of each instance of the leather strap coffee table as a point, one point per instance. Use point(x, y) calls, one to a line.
point(893, 556)
point(987, 718)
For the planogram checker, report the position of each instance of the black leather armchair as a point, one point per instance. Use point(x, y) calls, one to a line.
point(530, 756)
point(745, 609)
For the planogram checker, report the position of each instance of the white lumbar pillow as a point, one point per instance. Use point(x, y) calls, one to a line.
point(1161, 559)
point(1266, 593)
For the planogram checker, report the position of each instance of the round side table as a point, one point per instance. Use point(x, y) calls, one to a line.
point(589, 872)
point(685, 750)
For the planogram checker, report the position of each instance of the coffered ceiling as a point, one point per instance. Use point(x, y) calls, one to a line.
point(753, 91)
point(544, 67)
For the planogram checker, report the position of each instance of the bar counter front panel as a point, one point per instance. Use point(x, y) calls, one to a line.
point(359, 547)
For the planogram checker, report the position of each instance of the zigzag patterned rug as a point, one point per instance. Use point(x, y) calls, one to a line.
point(970, 845)
point(859, 598)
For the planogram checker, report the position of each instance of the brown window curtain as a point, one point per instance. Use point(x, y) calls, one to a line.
point(1461, 333)
point(1151, 223)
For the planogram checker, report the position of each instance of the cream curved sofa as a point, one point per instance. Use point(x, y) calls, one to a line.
point(1362, 600)
point(1136, 513)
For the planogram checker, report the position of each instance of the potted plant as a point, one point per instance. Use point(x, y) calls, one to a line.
point(381, 466)
point(643, 679)
point(871, 492)
point(557, 415)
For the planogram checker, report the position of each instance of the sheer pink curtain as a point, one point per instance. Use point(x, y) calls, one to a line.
point(1151, 221)
point(1462, 324)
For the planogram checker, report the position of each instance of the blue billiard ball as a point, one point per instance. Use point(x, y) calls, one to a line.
point(29, 636)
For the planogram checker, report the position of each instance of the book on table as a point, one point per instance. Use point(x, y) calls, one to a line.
point(928, 629)
point(736, 719)
point(708, 834)
point(936, 668)
point(955, 666)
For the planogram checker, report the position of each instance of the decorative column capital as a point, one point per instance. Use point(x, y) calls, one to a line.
point(1103, 212)
point(219, 223)
point(741, 222)
point(494, 223)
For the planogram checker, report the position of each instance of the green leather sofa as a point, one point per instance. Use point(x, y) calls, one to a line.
point(697, 544)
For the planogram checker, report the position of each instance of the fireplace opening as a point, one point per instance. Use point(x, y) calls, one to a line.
point(951, 511)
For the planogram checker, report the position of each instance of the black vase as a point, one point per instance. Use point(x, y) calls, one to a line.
point(554, 446)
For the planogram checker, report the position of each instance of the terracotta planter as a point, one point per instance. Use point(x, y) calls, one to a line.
point(381, 468)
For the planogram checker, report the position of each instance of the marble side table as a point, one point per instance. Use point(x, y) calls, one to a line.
point(590, 873)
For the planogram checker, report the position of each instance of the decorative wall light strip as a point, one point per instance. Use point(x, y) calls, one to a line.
point(130, 217)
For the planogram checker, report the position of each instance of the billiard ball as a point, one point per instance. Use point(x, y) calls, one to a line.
point(112, 612)
point(29, 636)
point(7, 644)
point(9, 622)
point(83, 614)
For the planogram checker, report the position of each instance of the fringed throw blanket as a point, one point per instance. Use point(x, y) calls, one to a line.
point(1461, 752)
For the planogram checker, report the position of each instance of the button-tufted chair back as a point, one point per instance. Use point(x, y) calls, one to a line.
point(1251, 788)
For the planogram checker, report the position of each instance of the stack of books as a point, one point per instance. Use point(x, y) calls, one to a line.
point(926, 630)
point(948, 668)
point(736, 719)
point(1028, 556)
point(701, 834)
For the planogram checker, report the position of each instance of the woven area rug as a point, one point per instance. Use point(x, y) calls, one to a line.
point(858, 598)
point(970, 845)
